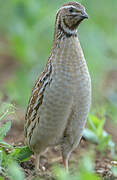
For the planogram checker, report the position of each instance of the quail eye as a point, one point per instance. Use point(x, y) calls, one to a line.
point(71, 9)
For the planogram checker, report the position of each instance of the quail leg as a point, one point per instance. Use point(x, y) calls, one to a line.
point(37, 160)
point(65, 163)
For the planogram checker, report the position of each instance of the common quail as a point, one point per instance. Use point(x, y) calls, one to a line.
point(60, 100)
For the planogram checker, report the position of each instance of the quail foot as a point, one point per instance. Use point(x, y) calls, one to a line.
point(61, 98)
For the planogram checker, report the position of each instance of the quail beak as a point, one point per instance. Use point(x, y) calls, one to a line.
point(84, 15)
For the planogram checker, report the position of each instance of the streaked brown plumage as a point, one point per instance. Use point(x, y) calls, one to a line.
point(61, 97)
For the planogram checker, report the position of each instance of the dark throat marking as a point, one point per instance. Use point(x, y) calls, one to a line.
point(68, 35)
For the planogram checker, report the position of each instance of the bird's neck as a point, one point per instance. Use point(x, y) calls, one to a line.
point(61, 32)
point(66, 49)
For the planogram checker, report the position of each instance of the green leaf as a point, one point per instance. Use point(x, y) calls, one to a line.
point(1, 158)
point(61, 174)
point(103, 143)
point(88, 175)
point(4, 115)
point(6, 109)
point(4, 129)
point(21, 154)
point(114, 171)
point(15, 172)
point(100, 127)
point(1, 178)
point(90, 135)
point(86, 169)
point(5, 145)
point(93, 121)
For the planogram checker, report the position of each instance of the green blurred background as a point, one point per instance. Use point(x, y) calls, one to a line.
point(26, 33)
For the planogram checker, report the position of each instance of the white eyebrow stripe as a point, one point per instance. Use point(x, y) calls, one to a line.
point(66, 7)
